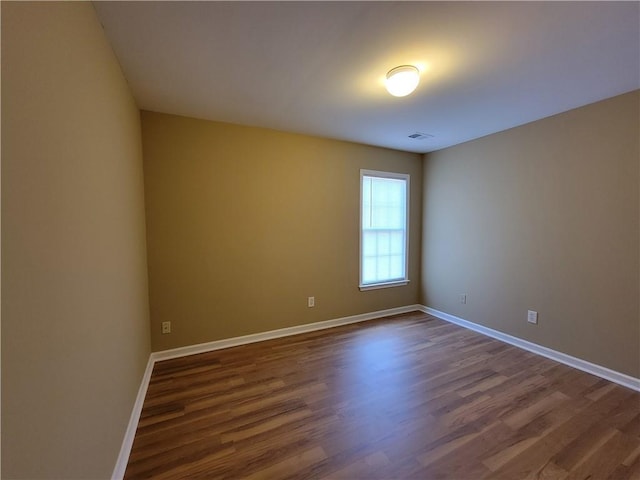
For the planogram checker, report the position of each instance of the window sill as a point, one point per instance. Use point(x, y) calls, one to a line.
point(375, 286)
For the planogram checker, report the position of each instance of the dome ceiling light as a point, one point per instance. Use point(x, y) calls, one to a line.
point(402, 80)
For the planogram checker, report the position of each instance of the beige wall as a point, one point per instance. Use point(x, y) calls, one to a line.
point(543, 217)
point(244, 224)
point(75, 336)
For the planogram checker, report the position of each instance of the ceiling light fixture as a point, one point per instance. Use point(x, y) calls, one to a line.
point(402, 80)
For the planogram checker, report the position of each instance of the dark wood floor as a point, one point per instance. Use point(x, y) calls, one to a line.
point(408, 396)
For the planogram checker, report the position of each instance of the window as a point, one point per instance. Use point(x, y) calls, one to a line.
point(384, 226)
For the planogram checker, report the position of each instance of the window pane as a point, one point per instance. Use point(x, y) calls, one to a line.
point(396, 266)
point(369, 270)
point(396, 243)
point(383, 243)
point(383, 269)
point(385, 202)
point(369, 243)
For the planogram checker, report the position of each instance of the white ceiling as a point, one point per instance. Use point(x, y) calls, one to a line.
point(317, 67)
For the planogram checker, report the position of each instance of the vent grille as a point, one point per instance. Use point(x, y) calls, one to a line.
point(420, 136)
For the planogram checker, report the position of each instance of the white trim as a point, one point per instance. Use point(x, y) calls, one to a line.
point(127, 443)
point(281, 332)
point(376, 286)
point(388, 175)
point(597, 370)
point(125, 450)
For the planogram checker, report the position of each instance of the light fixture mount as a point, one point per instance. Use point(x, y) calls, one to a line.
point(402, 80)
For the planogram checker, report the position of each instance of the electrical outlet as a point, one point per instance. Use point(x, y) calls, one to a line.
point(463, 298)
point(166, 327)
point(532, 317)
point(311, 302)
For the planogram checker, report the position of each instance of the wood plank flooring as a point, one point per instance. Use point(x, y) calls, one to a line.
point(405, 397)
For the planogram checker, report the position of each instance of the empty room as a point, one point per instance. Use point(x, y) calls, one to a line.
point(320, 240)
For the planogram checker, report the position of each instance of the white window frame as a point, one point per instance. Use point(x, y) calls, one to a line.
point(396, 282)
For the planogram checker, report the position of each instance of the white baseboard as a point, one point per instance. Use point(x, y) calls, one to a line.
point(127, 443)
point(125, 450)
point(597, 370)
point(281, 332)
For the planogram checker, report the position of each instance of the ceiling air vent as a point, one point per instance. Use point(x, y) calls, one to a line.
point(420, 136)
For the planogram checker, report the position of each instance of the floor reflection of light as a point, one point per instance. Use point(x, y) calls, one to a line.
point(377, 354)
point(374, 380)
